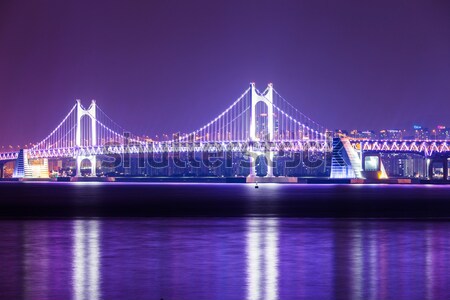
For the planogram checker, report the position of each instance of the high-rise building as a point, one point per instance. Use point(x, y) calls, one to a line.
point(368, 134)
point(442, 132)
point(421, 133)
point(391, 134)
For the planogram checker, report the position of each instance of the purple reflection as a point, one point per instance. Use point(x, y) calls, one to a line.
point(306, 264)
point(86, 260)
point(437, 257)
point(36, 261)
point(357, 261)
point(235, 258)
point(262, 259)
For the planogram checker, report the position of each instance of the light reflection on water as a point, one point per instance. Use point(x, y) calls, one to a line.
point(86, 260)
point(373, 258)
point(262, 259)
point(236, 258)
point(36, 261)
point(357, 261)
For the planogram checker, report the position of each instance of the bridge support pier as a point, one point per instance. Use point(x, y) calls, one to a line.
point(445, 161)
point(270, 164)
point(446, 168)
point(92, 160)
point(253, 157)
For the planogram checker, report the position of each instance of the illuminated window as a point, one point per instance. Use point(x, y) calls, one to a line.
point(371, 163)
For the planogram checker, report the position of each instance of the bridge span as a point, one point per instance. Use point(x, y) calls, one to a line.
point(260, 133)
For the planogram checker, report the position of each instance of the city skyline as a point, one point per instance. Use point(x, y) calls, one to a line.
point(149, 63)
point(417, 132)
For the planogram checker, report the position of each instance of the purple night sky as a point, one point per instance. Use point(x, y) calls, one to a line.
point(164, 66)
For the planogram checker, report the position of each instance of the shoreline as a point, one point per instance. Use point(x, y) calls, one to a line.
point(250, 180)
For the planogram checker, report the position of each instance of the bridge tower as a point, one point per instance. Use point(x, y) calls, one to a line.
point(267, 98)
point(91, 113)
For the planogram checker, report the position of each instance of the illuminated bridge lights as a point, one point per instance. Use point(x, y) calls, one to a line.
point(258, 122)
point(427, 147)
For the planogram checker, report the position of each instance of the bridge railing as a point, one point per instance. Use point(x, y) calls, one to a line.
point(428, 147)
point(225, 146)
point(9, 155)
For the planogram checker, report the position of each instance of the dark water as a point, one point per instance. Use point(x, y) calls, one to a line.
point(225, 200)
point(67, 244)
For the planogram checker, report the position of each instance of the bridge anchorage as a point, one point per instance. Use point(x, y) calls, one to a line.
point(373, 159)
point(260, 134)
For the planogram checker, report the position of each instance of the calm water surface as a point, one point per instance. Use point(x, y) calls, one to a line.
point(224, 258)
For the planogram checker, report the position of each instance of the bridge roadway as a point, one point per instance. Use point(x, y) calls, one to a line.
point(426, 147)
point(161, 147)
point(437, 150)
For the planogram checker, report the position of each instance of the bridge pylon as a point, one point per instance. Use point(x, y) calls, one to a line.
point(267, 98)
point(91, 113)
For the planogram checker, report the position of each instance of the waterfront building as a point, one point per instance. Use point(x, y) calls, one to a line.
point(404, 165)
point(391, 134)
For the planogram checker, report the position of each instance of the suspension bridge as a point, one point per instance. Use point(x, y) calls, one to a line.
point(256, 124)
